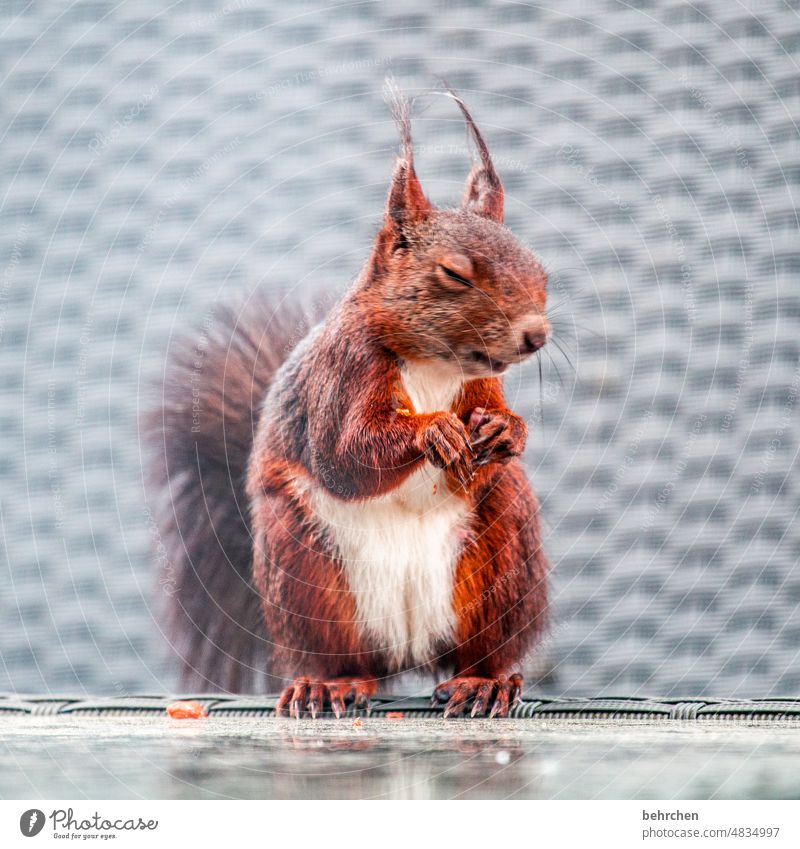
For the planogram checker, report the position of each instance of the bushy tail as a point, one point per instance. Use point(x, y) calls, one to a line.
point(199, 437)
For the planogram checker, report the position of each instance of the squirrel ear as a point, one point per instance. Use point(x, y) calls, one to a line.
point(407, 203)
point(483, 193)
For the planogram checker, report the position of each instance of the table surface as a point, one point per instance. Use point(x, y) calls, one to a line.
point(152, 756)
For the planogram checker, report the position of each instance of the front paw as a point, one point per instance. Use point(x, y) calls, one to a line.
point(445, 443)
point(496, 436)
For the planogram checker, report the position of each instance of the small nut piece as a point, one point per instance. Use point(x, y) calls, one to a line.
point(186, 710)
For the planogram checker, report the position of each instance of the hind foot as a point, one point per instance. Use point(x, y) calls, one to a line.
point(314, 696)
point(502, 693)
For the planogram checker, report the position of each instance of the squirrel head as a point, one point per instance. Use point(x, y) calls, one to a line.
point(453, 285)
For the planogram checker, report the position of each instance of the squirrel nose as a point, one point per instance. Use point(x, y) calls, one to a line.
point(534, 339)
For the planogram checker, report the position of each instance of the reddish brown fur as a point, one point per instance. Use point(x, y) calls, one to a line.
point(446, 286)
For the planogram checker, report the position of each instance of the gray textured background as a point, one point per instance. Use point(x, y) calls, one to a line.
point(154, 157)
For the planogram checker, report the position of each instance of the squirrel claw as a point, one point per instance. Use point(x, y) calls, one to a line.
point(458, 701)
point(478, 417)
point(293, 698)
point(502, 693)
point(315, 700)
point(306, 696)
point(496, 437)
point(445, 443)
point(337, 693)
point(482, 697)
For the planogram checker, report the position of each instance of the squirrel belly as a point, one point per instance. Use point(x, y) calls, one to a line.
point(399, 550)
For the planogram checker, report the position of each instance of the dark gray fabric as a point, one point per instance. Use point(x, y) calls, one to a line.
point(399, 706)
point(157, 157)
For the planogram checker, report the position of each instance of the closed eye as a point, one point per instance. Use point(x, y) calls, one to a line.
point(457, 277)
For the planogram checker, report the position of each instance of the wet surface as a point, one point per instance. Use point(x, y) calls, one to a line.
point(156, 757)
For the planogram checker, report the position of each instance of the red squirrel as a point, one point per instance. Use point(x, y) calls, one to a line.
point(344, 502)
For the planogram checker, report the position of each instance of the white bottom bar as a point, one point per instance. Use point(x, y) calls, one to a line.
point(228, 824)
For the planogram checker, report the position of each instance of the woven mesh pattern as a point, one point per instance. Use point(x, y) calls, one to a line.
point(154, 159)
point(403, 707)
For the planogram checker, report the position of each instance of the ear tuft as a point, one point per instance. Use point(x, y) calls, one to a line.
point(407, 203)
point(483, 193)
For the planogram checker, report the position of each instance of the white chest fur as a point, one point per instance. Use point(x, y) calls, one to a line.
point(399, 550)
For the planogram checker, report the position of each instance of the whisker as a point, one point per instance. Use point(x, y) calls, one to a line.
point(541, 383)
point(563, 353)
point(562, 269)
point(555, 308)
point(558, 292)
point(553, 363)
point(561, 311)
point(572, 351)
point(559, 298)
point(577, 297)
point(580, 327)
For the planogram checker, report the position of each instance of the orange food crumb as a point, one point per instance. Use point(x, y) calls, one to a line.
point(357, 723)
point(186, 710)
point(403, 411)
point(395, 714)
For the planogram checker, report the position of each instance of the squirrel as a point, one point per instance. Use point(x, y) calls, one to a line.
point(344, 500)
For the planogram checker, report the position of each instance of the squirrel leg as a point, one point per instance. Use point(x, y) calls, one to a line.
point(501, 693)
point(314, 696)
point(500, 597)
